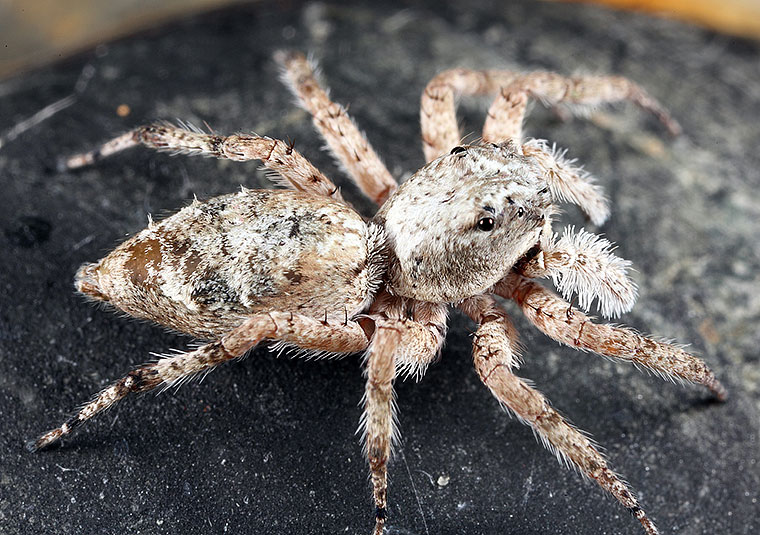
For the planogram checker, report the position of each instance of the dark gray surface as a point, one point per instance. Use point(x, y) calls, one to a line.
point(267, 445)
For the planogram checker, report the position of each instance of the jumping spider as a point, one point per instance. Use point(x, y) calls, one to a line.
point(301, 267)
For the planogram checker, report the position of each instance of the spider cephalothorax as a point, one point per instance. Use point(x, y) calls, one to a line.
point(460, 223)
point(303, 268)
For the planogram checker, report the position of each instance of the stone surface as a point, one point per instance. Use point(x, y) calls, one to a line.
point(267, 445)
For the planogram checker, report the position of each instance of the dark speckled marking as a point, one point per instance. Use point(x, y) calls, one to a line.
point(293, 276)
point(214, 290)
point(295, 229)
point(178, 248)
point(359, 268)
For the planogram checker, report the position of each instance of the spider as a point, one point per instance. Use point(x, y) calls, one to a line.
point(300, 267)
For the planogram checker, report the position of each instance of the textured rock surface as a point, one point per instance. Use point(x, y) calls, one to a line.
point(267, 445)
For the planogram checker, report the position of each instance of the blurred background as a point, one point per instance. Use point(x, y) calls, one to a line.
point(35, 32)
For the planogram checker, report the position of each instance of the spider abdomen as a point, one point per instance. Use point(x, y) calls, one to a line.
point(214, 263)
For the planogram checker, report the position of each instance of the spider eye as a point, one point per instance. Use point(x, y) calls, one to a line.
point(520, 212)
point(486, 224)
point(457, 150)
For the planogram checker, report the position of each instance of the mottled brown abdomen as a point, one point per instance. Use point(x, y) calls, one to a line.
point(204, 269)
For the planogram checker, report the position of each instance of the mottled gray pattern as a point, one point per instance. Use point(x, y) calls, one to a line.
point(204, 269)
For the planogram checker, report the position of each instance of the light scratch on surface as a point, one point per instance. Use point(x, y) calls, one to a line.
point(528, 484)
point(51, 109)
point(432, 483)
point(64, 469)
point(39, 117)
point(81, 243)
point(414, 489)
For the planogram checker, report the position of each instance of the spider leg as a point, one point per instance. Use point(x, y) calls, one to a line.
point(296, 171)
point(440, 131)
point(303, 331)
point(378, 419)
point(394, 343)
point(557, 319)
point(494, 354)
point(422, 338)
point(506, 115)
point(438, 120)
point(420, 346)
point(567, 182)
point(349, 146)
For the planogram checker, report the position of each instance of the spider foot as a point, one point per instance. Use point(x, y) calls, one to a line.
point(380, 516)
point(717, 389)
point(646, 523)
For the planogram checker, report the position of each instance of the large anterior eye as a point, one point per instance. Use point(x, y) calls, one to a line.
point(486, 224)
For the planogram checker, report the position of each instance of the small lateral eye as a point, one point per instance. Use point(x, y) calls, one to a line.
point(486, 224)
point(457, 150)
point(520, 212)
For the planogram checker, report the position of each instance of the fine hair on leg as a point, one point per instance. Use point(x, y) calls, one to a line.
point(494, 354)
point(305, 332)
point(346, 142)
point(559, 320)
point(291, 168)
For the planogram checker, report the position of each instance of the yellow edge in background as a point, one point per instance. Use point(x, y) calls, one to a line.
point(34, 32)
point(739, 17)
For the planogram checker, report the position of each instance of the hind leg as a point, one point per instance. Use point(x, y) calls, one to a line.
point(303, 331)
point(296, 171)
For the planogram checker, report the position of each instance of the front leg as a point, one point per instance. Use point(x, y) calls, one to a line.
point(507, 113)
point(568, 182)
point(583, 264)
point(494, 354)
point(438, 119)
point(440, 132)
point(557, 319)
